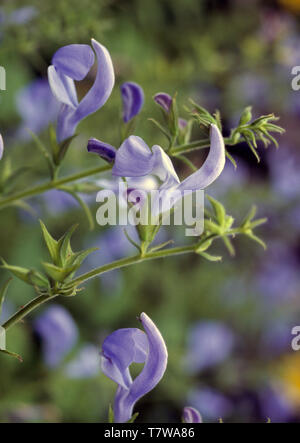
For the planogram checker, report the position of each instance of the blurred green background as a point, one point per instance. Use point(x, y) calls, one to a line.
point(226, 55)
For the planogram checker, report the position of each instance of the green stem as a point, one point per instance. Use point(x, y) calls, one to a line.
point(18, 316)
point(36, 302)
point(193, 146)
point(40, 189)
point(132, 260)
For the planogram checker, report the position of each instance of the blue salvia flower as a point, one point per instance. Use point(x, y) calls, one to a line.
point(36, 106)
point(58, 333)
point(135, 159)
point(73, 62)
point(125, 346)
point(1, 147)
point(191, 415)
point(133, 100)
point(209, 344)
point(164, 100)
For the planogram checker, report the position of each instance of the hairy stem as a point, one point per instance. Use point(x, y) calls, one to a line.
point(40, 189)
point(18, 316)
point(36, 302)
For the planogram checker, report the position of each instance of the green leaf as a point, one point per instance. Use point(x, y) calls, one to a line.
point(111, 417)
point(21, 273)
point(209, 257)
point(133, 418)
point(57, 273)
point(3, 291)
point(231, 159)
point(161, 128)
point(219, 210)
point(38, 279)
point(204, 246)
point(65, 245)
point(63, 148)
point(42, 148)
point(77, 258)
point(229, 245)
point(12, 354)
point(246, 116)
point(52, 244)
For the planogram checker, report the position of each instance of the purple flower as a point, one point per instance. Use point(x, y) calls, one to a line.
point(125, 346)
point(58, 333)
point(164, 100)
point(73, 62)
point(37, 107)
point(209, 343)
point(275, 404)
point(191, 415)
point(21, 16)
point(211, 403)
point(278, 276)
point(133, 100)
point(135, 159)
point(1, 147)
point(85, 364)
point(104, 150)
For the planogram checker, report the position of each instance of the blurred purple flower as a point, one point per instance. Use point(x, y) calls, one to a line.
point(191, 415)
point(212, 404)
point(209, 343)
point(19, 16)
point(276, 338)
point(58, 333)
point(36, 106)
point(278, 276)
point(230, 179)
point(133, 100)
point(164, 101)
point(125, 346)
point(86, 364)
point(275, 405)
point(73, 62)
point(284, 170)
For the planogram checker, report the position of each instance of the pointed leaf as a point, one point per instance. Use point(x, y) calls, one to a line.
point(3, 292)
point(52, 244)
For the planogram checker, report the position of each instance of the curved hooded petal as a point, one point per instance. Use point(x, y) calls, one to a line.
point(163, 167)
point(212, 167)
point(164, 100)
point(119, 350)
point(58, 333)
point(1, 147)
point(152, 373)
point(64, 89)
point(133, 100)
point(104, 150)
point(102, 87)
point(135, 159)
point(74, 61)
point(191, 415)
